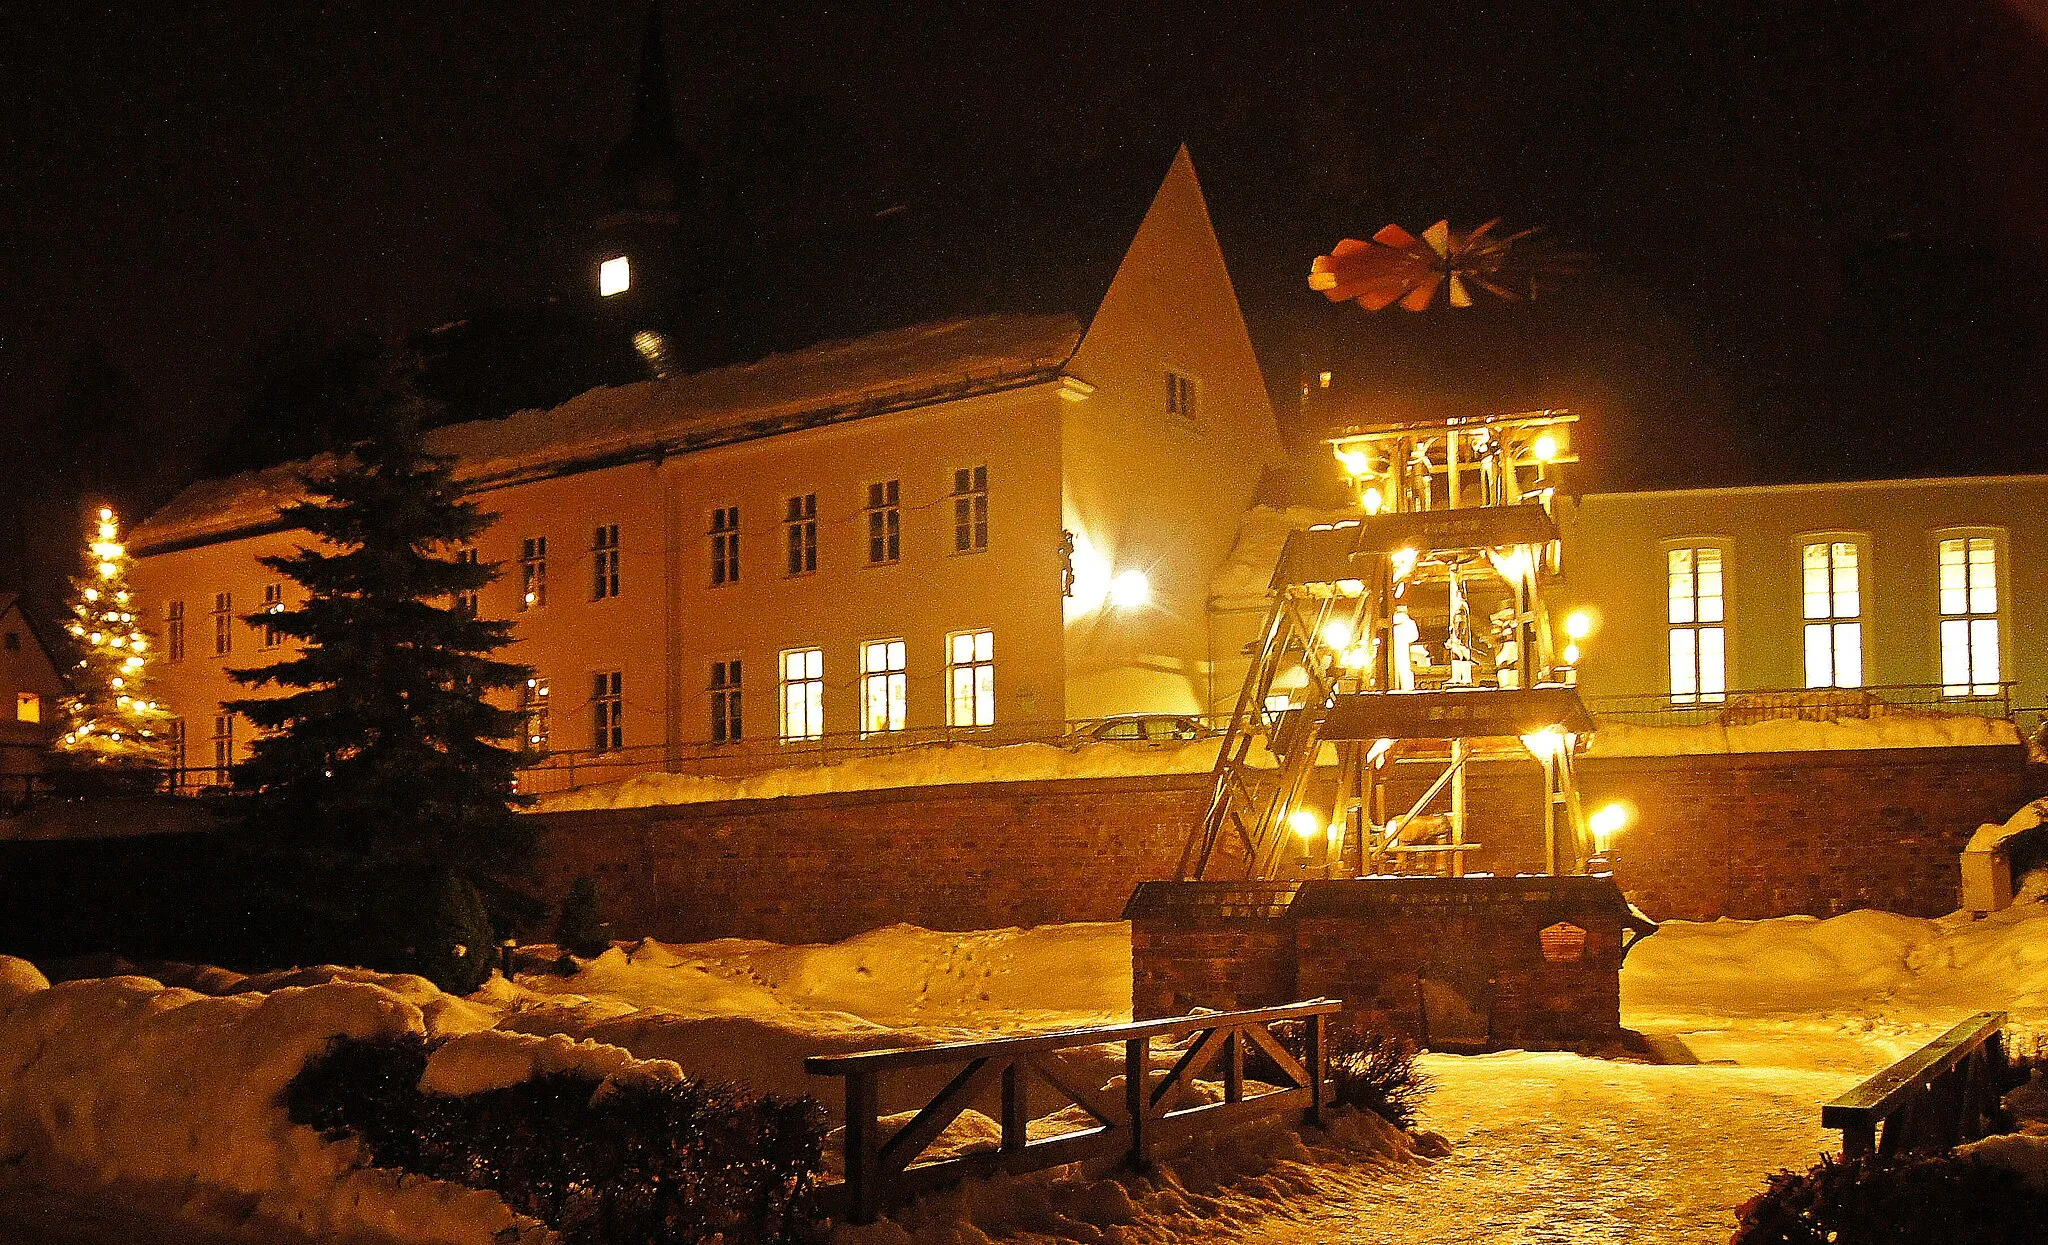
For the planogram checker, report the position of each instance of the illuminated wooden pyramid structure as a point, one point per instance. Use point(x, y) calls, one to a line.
point(1413, 635)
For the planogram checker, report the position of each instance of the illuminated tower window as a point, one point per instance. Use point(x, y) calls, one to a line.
point(614, 276)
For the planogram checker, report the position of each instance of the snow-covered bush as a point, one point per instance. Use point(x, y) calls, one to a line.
point(647, 1159)
point(1369, 1071)
point(1911, 1199)
point(582, 929)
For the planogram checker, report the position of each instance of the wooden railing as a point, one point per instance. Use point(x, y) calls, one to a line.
point(1941, 1095)
point(1149, 1118)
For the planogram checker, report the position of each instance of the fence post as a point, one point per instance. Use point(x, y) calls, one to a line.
point(1318, 1079)
point(1859, 1138)
point(1137, 1098)
point(1016, 1108)
point(863, 1147)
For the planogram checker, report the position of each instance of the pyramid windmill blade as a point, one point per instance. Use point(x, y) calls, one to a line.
point(1421, 296)
point(1439, 238)
point(1459, 296)
point(1396, 237)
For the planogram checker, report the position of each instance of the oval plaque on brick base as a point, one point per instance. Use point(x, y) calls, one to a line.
point(1562, 942)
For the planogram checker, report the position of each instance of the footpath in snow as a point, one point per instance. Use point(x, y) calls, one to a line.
point(167, 1090)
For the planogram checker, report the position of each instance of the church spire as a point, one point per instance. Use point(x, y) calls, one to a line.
point(650, 168)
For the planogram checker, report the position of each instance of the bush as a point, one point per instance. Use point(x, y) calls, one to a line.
point(583, 930)
point(1911, 1199)
point(646, 1164)
point(1367, 1070)
point(455, 947)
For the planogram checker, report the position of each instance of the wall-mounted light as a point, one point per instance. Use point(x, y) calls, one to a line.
point(614, 276)
point(1130, 590)
point(1305, 823)
point(1544, 447)
point(1606, 822)
point(1578, 624)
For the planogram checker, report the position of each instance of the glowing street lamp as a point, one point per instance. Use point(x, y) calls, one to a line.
point(1130, 590)
point(1606, 822)
point(1305, 824)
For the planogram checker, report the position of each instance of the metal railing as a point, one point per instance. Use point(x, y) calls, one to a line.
point(1741, 706)
point(573, 769)
point(1150, 1116)
point(1941, 1095)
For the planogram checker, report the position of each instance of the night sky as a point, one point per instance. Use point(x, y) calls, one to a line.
point(1818, 233)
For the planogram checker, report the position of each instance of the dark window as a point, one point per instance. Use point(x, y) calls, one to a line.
point(1180, 396)
point(604, 563)
point(533, 572)
point(725, 545)
point(885, 522)
point(608, 711)
point(970, 509)
point(465, 600)
point(800, 519)
point(726, 724)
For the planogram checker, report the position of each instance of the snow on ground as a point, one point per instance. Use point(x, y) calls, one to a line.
point(928, 765)
point(172, 1091)
point(1897, 728)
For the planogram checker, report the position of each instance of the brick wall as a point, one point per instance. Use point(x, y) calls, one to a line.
point(823, 867)
point(1742, 836)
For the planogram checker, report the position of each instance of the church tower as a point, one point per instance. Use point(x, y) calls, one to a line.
point(637, 267)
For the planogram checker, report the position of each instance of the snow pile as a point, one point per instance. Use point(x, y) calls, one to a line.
point(1897, 729)
point(924, 766)
point(1988, 837)
point(124, 1081)
point(1860, 963)
point(475, 1063)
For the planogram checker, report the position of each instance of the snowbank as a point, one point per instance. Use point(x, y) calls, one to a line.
point(475, 1063)
point(925, 766)
point(1897, 729)
point(124, 1081)
point(1988, 837)
point(1860, 963)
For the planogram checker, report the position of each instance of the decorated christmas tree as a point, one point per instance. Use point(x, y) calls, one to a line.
point(112, 723)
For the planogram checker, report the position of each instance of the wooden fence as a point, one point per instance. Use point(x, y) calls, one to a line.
point(1151, 1116)
point(1941, 1095)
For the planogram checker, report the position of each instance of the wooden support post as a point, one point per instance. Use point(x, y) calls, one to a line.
point(863, 1147)
point(1138, 1099)
point(1858, 1139)
point(1459, 750)
point(1233, 1067)
point(1016, 1107)
point(1318, 1070)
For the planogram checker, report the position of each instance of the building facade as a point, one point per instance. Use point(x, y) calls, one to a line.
point(989, 525)
point(1928, 588)
point(31, 695)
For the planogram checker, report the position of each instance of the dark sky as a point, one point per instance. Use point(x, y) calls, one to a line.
point(1819, 231)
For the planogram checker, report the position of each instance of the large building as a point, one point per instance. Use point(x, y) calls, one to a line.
point(1927, 590)
point(992, 524)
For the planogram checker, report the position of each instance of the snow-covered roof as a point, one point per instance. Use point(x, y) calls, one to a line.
point(828, 383)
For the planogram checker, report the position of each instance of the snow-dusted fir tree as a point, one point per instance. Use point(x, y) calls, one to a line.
point(383, 764)
point(113, 724)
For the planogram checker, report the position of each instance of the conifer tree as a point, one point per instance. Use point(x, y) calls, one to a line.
point(112, 722)
point(381, 771)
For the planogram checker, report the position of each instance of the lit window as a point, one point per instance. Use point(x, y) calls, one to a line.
point(971, 678)
point(273, 603)
point(970, 509)
point(223, 746)
point(1833, 606)
point(607, 711)
point(614, 276)
point(533, 713)
point(726, 723)
point(800, 521)
point(803, 693)
point(885, 522)
point(884, 687)
point(725, 545)
point(465, 598)
point(223, 624)
point(174, 628)
point(28, 707)
point(533, 572)
point(1968, 583)
point(1698, 636)
point(1180, 396)
point(604, 563)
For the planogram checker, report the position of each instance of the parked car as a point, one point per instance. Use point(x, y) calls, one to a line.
point(1142, 728)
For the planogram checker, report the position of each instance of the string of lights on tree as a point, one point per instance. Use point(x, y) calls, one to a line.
point(110, 719)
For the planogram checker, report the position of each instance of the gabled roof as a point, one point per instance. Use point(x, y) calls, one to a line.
point(830, 383)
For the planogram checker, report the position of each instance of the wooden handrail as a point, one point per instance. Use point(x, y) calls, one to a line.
point(1147, 1117)
point(1937, 1096)
point(1058, 1039)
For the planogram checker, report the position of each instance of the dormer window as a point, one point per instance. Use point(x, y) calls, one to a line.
point(614, 276)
